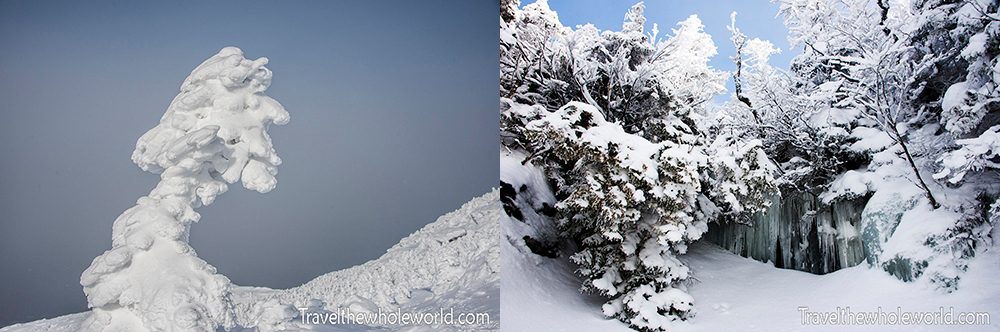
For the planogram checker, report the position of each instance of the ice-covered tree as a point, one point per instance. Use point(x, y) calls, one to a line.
point(213, 133)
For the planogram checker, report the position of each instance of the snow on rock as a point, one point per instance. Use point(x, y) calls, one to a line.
point(882, 214)
point(531, 190)
point(850, 184)
point(909, 252)
point(871, 139)
point(213, 133)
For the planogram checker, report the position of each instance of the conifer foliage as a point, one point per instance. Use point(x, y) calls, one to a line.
point(613, 117)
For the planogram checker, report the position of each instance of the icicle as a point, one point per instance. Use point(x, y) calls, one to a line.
point(798, 232)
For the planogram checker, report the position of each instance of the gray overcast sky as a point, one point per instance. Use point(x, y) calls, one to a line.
point(394, 119)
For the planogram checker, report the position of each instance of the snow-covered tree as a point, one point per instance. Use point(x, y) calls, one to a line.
point(782, 109)
point(213, 133)
point(634, 205)
point(612, 116)
point(910, 86)
point(627, 75)
point(864, 56)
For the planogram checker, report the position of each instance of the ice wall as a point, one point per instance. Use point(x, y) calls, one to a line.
point(213, 133)
point(798, 232)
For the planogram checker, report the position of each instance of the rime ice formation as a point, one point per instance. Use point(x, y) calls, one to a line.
point(213, 133)
point(451, 263)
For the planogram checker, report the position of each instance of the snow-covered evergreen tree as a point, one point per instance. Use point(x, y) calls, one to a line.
point(612, 115)
point(213, 133)
point(970, 104)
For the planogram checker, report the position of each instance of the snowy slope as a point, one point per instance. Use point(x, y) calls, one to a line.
point(731, 293)
point(451, 263)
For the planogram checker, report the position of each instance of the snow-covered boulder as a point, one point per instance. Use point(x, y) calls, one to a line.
point(882, 214)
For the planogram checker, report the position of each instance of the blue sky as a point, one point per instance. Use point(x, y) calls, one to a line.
point(393, 123)
point(755, 18)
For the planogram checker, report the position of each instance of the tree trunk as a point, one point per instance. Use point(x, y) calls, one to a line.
point(916, 171)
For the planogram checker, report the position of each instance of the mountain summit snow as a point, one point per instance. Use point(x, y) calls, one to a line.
point(449, 265)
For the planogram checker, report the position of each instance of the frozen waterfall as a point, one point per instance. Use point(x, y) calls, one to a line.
point(799, 232)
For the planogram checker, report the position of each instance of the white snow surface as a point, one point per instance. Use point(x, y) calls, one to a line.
point(731, 293)
point(452, 263)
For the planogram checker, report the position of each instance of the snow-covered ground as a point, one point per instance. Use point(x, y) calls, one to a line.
point(731, 293)
point(450, 264)
point(456, 262)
